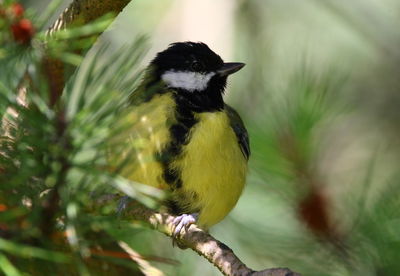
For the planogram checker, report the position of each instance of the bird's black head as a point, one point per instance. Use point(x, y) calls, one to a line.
point(195, 72)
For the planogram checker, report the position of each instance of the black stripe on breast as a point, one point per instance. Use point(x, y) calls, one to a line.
point(179, 132)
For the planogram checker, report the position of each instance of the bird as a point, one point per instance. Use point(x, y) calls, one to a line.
point(182, 137)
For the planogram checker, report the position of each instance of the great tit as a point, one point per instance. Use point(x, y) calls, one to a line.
point(183, 138)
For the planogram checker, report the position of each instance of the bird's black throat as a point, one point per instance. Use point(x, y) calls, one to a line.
point(207, 100)
point(199, 102)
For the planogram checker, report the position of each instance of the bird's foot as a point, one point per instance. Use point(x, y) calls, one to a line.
point(122, 204)
point(182, 221)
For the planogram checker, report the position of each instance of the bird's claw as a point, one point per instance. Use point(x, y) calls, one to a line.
point(122, 204)
point(182, 221)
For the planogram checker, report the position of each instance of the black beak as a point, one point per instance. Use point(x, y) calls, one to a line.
point(230, 68)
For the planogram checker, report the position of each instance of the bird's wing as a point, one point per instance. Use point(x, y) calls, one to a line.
point(143, 133)
point(240, 130)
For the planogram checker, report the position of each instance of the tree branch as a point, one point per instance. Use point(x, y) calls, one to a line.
point(79, 13)
point(216, 252)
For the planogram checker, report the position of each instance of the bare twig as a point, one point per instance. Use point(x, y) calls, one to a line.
point(202, 243)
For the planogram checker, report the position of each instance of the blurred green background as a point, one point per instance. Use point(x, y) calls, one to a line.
point(320, 96)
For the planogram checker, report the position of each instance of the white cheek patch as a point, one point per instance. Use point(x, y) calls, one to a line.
point(191, 81)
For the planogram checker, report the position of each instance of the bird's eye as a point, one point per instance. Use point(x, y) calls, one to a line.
point(197, 66)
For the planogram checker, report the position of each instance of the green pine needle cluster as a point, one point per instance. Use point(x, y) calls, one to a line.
point(53, 159)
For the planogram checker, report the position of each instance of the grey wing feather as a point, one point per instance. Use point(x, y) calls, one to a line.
point(240, 131)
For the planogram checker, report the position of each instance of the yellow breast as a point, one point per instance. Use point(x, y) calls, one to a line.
point(212, 167)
